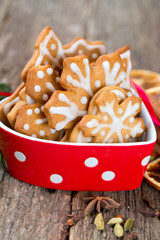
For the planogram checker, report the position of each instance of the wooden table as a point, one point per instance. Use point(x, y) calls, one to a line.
point(29, 212)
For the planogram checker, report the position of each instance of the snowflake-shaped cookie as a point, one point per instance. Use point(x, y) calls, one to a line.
point(76, 134)
point(113, 122)
point(82, 80)
point(49, 50)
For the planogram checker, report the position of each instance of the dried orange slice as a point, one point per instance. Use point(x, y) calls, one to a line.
point(152, 173)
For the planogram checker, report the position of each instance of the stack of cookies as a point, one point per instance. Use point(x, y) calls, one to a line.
point(75, 93)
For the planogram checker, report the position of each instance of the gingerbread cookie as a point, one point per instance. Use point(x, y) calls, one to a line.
point(113, 122)
point(76, 134)
point(109, 70)
point(24, 99)
point(41, 82)
point(49, 50)
point(120, 93)
point(31, 121)
point(64, 109)
point(80, 46)
point(114, 69)
point(80, 78)
point(8, 104)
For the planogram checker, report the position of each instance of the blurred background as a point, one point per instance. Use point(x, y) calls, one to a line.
point(116, 22)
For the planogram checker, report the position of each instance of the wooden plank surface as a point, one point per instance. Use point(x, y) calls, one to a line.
point(29, 212)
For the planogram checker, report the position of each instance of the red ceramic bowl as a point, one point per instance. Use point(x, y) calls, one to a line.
point(70, 166)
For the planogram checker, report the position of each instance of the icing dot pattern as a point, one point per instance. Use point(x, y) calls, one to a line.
point(41, 82)
point(35, 123)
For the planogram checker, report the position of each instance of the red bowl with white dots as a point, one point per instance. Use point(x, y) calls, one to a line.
point(73, 166)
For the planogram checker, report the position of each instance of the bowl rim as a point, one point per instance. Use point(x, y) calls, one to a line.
point(153, 139)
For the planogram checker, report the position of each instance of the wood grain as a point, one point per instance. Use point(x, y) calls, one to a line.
point(29, 212)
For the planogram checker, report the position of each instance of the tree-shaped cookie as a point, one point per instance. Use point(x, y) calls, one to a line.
point(49, 50)
point(32, 122)
point(41, 82)
point(114, 122)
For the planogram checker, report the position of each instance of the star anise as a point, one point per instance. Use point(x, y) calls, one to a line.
point(99, 202)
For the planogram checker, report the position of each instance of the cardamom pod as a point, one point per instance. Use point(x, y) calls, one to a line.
point(115, 220)
point(118, 230)
point(99, 222)
point(128, 224)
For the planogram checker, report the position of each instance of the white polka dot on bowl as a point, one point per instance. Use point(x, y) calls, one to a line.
point(91, 162)
point(56, 178)
point(20, 156)
point(145, 161)
point(108, 176)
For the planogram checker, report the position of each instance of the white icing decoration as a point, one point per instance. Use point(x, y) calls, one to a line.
point(136, 129)
point(89, 47)
point(37, 88)
point(52, 130)
point(53, 46)
point(111, 77)
point(94, 112)
point(57, 79)
point(84, 82)
point(30, 100)
point(49, 71)
point(40, 121)
point(45, 97)
point(120, 111)
point(108, 176)
point(131, 119)
point(80, 52)
point(117, 122)
point(26, 126)
point(119, 94)
point(40, 74)
point(34, 135)
point(129, 94)
point(84, 100)
point(9, 105)
point(45, 52)
point(91, 162)
point(71, 112)
point(102, 133)
point(127, 55)
point(92, 123)
point(41, 133)
point(20, 156)
point(56, 178)
point(105, 118)
point(37, 110)
point(50, 86)
point(29, 112)
point(126, 136)
point(94, 55)
point(97, 83)
point(82, 139)
point(42, 108)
